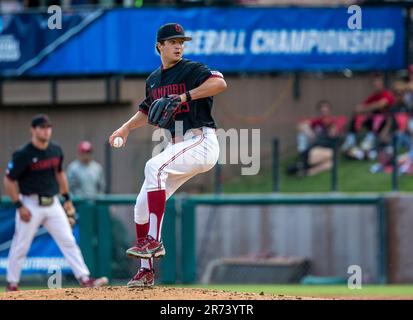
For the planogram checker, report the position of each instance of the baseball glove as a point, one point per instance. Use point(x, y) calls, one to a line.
point(162, 111)
point(70, 213)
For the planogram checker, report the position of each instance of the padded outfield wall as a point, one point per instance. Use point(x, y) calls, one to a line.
point(331, 231)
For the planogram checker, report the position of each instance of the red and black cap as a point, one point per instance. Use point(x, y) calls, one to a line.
point(171, 31)
point(41, 120)
point(85, 147)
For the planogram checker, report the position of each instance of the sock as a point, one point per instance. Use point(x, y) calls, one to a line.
point(411, 154)
point(147, 263)
point(370, 136)
point(302, 142)
point(142, 230)
point(156, 205)
point(350, 140)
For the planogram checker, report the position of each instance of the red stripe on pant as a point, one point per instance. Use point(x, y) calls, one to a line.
point(175, 156)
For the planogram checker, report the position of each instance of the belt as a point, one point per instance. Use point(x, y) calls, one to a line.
point(193, 132)
point(36, 195)
point(43, 201)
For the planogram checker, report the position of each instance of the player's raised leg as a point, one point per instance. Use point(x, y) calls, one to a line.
point(142, 217)
point(185, 160)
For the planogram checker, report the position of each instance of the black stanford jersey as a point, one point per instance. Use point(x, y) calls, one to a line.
point(35, 169)
point(182, 77)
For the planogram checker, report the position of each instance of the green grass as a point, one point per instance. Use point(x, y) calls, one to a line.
point(316, 290)
point(353, 176)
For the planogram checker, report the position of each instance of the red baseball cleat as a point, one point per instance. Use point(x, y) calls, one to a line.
point(144, 278)
point(93, 283)
point(147, 248)
point(11, 287)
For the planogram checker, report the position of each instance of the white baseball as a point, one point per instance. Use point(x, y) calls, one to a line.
point(118, 142)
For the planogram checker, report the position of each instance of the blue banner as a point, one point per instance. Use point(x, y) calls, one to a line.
point(43, 252)
point(232, 40)
point(25, 39)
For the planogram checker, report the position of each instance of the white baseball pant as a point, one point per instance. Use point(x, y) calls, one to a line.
point(54, 219)
point(175, 165)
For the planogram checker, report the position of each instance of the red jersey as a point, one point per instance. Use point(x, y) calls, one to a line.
point(321, 125)
point(385, 94)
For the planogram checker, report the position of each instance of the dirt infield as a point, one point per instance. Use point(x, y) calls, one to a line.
point(156, 293)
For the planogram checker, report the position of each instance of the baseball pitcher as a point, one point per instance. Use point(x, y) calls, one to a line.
point(179, 90)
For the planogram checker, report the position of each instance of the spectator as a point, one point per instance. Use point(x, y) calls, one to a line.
point(321, 132)
point(85, 175)
point(397, 121)
point(403, 123)
point(396, 124)
point(371, 115)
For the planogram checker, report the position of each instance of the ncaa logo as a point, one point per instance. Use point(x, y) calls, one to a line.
point(10, 167)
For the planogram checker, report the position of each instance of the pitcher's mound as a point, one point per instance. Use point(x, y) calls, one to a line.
point(124, 293)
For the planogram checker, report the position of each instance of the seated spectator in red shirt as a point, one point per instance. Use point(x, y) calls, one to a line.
point(321, 131)
point(396, 125)
point(371, 115)
point(316, 129)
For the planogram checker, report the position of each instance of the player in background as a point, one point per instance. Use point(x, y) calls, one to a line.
point(192, 86)
point(33, 180)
